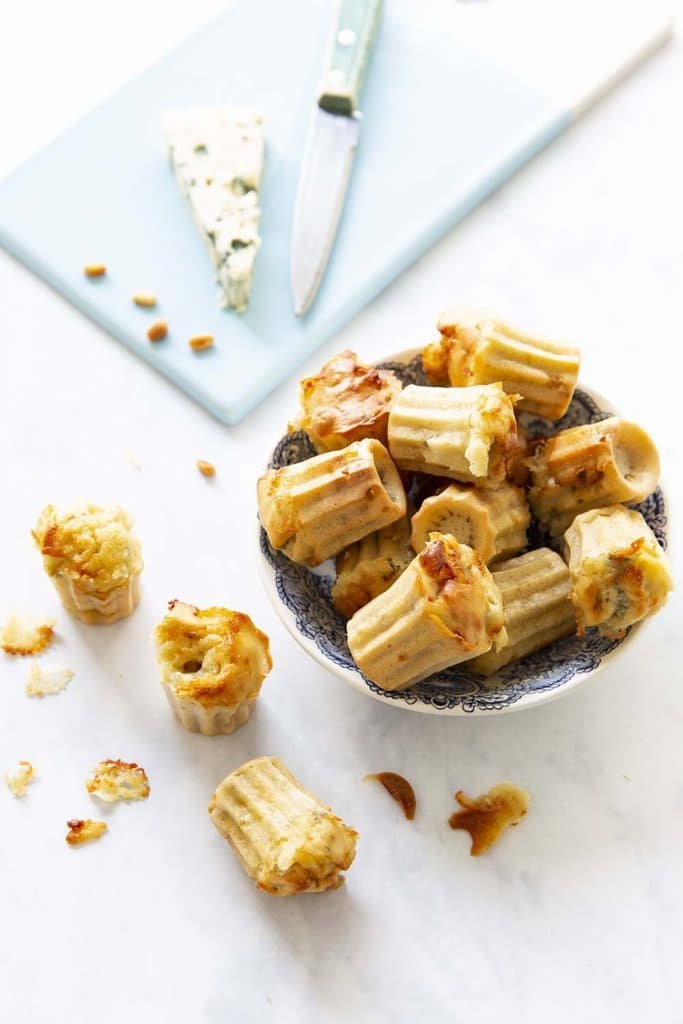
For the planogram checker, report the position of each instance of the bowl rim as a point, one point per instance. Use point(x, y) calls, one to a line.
point(354, 678)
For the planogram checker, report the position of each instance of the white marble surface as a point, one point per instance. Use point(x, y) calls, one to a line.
point(576, 915)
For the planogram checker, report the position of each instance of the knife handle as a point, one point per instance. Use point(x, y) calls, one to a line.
point(353, 39)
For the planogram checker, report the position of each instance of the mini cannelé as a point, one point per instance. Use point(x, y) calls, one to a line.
point(346, 402)
point(492, 520)
point(286, 840)
point(466, 434)
point(212, 662)
point(445, 608)
point(369, 567)
point(590, 466)
point(484, 350)
point(93, 559)
point(312, 510)
point(619, 573)
point(536, 606)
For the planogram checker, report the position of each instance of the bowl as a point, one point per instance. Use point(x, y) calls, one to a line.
point(302, 599)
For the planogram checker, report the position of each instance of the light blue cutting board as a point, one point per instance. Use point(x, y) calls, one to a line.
point(443, 125)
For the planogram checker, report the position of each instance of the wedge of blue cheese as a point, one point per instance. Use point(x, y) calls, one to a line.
point(217, 156)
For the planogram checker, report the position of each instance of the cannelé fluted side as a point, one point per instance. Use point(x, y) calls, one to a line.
point(443, 609)
point(492, 520)
point(619, 573)
point(369, 567)
point(286, 839)
point(314, 509)
point(537, 610)
point(590, 466)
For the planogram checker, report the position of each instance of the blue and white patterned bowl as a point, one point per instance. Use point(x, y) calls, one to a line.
point(302, 599)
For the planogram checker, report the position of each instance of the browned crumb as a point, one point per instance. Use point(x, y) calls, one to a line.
point(398, 788)
point(158, 330)
point(118, 780)
point(200, 342)
point(487, 817)
point(83, 830)
point(145, 299)
point(24, 634)
point(45, 680)
point(19, 780)
point(206, 468)
point(94, 270)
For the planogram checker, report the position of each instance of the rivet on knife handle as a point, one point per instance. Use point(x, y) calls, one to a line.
point(351, 45)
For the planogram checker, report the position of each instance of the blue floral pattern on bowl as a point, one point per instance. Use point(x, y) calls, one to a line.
point(306, 595)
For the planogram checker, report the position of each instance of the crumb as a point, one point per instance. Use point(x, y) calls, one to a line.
point(487, 817)
point(398, 788)
point(47, 679)
point(24, 634)
point(147, 300)
point(206, 468)
point(19, 781)
point(200, 342)
point(118, 780)
point(133, 460)
point(158, 330)
point(94, 270)
point(84, 830)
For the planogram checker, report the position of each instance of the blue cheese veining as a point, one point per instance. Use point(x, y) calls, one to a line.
point(217, 156)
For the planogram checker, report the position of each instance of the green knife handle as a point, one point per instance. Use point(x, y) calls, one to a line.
point(351, 45)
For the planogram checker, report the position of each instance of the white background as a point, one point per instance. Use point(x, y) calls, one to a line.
point(576, 915)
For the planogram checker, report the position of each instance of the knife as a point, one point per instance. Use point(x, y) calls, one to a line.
point(331, 148)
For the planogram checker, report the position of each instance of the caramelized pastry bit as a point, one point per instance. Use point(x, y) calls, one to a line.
point(536, 607)
point(588, 467)
point(19, 781)
point(480, 350)
point(286, 840)
point(444, 609)
point(83, 830)
point(93, 559)
point(212, 663)
point(118, 780)
point(314, 509)
point(369, 567)
point(493, 521)
point(466, 434)
point(487, 817)
point(619, 573)
point(25, 634)
point(46, 680)
point(399, 789)
point(346, 402)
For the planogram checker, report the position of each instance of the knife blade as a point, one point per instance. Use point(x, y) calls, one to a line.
point(330, 149)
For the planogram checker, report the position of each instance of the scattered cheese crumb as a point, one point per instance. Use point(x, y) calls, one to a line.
point(25, 634)
point(94, 270)
point(147, 300)
point(158, 330)
point(201, 342)
point(118, 780)
point(47, 679)
point(487, 817)
point(19, 781)
point(206, 468)
point(83, 830)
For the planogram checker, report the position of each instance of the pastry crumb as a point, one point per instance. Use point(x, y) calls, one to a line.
point(158, 330)
point(19, 781)
point(399, 789)
point(147, 300)
point(94, 270)
point(83, 830)
point(200, 342)
point(487, 816)
point(206, 468)
point(118, 780)
point(26, 634)
point(45, 680)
